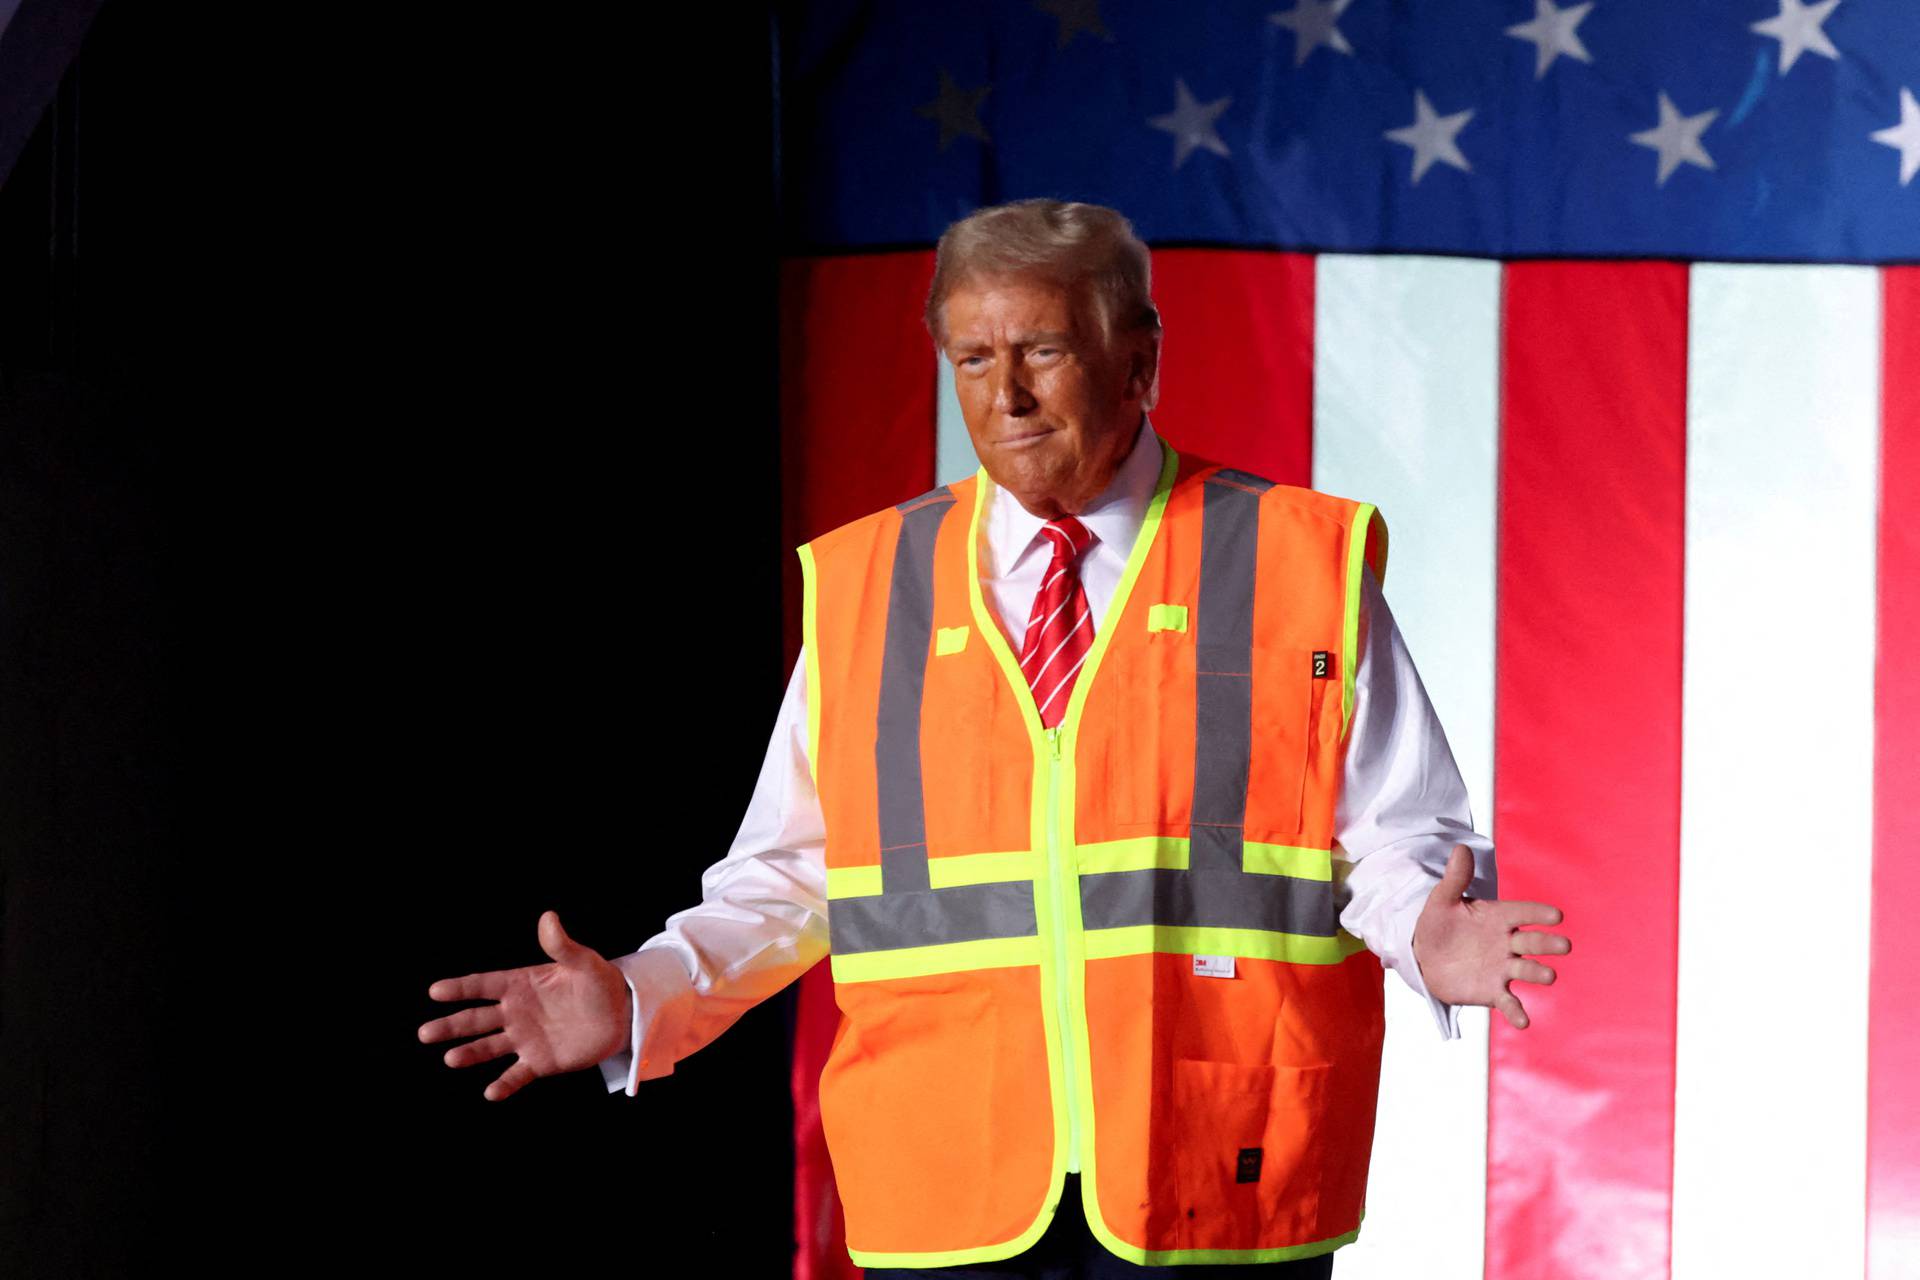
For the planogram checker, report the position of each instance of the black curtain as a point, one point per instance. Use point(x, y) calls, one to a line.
point(389, 484)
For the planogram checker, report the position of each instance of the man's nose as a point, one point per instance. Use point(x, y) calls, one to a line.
point(1010, 394)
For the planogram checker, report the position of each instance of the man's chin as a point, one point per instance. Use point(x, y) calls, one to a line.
point(1023, 470)
point(1038, 489)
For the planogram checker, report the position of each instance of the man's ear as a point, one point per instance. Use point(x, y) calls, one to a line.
point(1143, 369)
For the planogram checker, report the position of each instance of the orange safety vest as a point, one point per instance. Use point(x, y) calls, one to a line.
point(1025, 922)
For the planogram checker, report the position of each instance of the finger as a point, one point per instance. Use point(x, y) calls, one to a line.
point(1509, 1004)
point(1453, 881)
point(475, 986)
point(478, 1051)
point(467, 1022)
point(1516, 912)
point(555, 942)
point(1526, 943)
point(511, 1081)
point(1530, 971)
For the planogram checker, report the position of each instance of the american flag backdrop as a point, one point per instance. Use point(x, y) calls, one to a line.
point(1611, 308)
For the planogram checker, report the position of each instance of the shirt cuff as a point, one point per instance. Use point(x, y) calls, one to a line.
point(655, 979)
point(1445, 1016)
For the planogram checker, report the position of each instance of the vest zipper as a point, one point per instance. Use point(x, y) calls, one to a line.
point(1055, 857)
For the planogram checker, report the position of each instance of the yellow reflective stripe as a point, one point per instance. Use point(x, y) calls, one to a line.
point(1258, 944)
point(1181, 1257)
point(853, 882)
point(942, 873)
point(1022, 693)
point(1167, 617)
point(1116, 607)
point(1356, 557)
point(1380, 570)
point(949, 640)
point(943, 957)
point(1288, 860)
point(980, 1253)
point(1081, 1055)
point(1009, 665)
point(979, 868)
point(1142, 853)
point(810, 637)
point(1172, 853)
point(1077, 937)
point(1133, 1253)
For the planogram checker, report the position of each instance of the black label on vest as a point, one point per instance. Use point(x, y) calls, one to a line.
point(1322, 664)
point(1249, 1170)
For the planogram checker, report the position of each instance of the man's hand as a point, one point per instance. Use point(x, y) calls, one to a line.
point(1469, 949)
point(557, 1017)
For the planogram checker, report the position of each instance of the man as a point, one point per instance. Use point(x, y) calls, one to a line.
point(1106, 780)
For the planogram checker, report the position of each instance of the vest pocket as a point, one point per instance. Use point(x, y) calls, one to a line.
point(1286, 716)
point(1248, 1158)
point(1135, 758)
point(1157, 749)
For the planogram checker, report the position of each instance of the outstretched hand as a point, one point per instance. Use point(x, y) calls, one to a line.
point(556, 1017)
point(1469, 949)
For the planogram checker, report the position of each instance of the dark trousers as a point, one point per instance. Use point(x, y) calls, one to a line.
point(1068, 1251)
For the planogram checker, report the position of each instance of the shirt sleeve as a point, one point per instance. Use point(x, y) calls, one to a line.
point(1402, 805)
point(761, 921)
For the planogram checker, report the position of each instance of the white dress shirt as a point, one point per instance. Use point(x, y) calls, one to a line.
point(762, 918)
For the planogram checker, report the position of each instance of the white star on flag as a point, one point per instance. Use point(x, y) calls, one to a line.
point(1552, 32)
point(1677, 139)
point(1432, 136)
point(1905, 136)
point(1191, 124)
point(1313, 24)
point(1797, 28)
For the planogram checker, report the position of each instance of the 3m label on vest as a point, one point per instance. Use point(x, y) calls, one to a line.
point(1213, 966)
point(1322, 664)
point(1248, 1169)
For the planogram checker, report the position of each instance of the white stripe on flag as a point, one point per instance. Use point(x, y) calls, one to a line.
point(1406, 388)
point(1776, 840)
point(953, 456)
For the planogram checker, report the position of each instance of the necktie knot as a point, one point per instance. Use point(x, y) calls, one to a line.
point(1068, 536)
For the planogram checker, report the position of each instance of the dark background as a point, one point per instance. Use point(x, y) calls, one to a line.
point(389, 552)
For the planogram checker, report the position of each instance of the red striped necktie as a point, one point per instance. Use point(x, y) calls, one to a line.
point(1060, 629)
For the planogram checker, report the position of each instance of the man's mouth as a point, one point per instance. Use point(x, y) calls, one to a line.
point(1026, 438)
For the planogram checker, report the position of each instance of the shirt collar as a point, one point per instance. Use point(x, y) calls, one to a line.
point(1114, 517)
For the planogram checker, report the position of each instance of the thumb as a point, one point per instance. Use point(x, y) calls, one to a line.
point(1453, 882)
point(555, 942)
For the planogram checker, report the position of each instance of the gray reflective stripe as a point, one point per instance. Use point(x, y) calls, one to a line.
point(925, 917)
point(1215, 890)
point(1223, 678)
point(1210, 899)
point(903, 672)
point(1245, 479)
point(908, 912)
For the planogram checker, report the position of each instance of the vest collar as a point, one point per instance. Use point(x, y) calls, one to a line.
point(983, 618)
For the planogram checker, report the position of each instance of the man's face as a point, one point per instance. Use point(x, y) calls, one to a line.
point(1052, 409)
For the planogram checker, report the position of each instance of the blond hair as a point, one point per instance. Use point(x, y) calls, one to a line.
point(1066, 242)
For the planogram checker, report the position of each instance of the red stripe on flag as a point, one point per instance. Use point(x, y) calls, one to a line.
point(1893, 1035)
point(857, 380)
point(857, 386)
point(1236, 380)
point(1587, 752)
